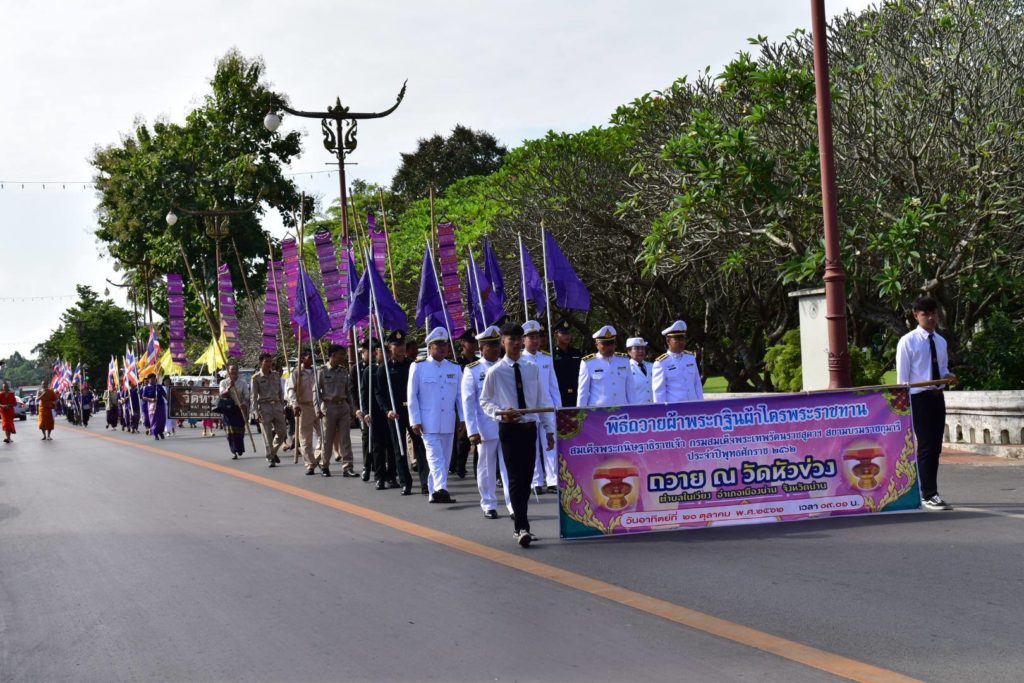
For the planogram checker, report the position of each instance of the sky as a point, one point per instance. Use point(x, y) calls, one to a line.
point(76, 76)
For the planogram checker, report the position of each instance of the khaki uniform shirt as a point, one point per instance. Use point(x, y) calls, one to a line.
point(334, 385)
point(266, 390)
point(304, 394)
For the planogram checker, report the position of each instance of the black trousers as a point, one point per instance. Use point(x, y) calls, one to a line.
point(929, 409)
point(364, 434)
point(400, 465)
point(519, 449)
point(381, 433)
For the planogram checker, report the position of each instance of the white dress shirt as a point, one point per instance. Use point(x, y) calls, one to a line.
point(542, 359)
point(499, 392)
point(240, 386)
point(642, 391)
point(676, 378)
point(434, 389)
point(477, 421)
point(605, 382)
point(914, 358)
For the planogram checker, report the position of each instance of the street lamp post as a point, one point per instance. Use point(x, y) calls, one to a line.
point(339, 127)
point(835, 278)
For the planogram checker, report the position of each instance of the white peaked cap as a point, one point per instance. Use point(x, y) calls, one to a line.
point(676, 328)
point(492, 333)
point(635, 341)
point(605, 333)
point(531, 327)
point(437, 334)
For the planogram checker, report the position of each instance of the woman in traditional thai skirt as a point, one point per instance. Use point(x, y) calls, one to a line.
point(156, 406)
point(166, 385)
point(113, 409)
point(235, 416)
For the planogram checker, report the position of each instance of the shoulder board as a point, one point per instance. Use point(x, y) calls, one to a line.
point(661, 357)
point(590, 356)
point(473, 364)
point(622, 355)
point(421, 360)
point(544, 353)
point(690, 352)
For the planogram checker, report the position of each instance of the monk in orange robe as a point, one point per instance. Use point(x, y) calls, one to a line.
point(47, 400)
point(7, 403)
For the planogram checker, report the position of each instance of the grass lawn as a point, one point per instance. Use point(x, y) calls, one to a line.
point(718, 384)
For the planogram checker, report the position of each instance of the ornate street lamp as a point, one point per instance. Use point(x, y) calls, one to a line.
point(339, 127)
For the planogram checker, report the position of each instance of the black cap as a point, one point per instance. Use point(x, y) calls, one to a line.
point(511, 330)
point(334, 348)
point(468, 335)
point(563, 326)
point(396, 337)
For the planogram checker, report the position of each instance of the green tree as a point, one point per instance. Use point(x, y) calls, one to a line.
point(440, 161)
point(220, 158)
point(90, 332)
point(21, 371)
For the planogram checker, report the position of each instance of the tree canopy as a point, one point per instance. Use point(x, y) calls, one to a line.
point(440, 161)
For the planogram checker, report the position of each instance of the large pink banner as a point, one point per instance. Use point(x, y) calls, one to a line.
point(737, 461)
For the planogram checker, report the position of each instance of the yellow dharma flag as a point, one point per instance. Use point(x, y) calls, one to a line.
point(168, 366)
point(215, 355)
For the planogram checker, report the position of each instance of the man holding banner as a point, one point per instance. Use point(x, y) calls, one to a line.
point(546, 470)
point(512, 386)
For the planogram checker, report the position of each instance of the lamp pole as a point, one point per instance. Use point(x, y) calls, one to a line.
point(339, 126)
point(835, 278)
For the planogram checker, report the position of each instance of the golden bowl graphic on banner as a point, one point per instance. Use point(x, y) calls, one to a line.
point(612, 486)
point(861, 467)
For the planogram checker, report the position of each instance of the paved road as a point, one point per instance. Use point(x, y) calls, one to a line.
point(122, 563)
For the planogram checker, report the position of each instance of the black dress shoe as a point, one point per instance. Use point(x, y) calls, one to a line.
point(381, 485)
point(424, 490)
point(552, 489)
point(310, 471)
point(234, 456)
point(277, 459)
point(348, 472)
point(491, 514)
point(393, 484)
point(407, 491)
point(272, 464)
point(325, 472)
point(365, 476)
point(539, 490)
point(462, 474)
point(445, 496)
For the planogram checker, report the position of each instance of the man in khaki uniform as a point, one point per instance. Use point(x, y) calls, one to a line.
point(268, 404)
point(335, 408)
point(301, 392)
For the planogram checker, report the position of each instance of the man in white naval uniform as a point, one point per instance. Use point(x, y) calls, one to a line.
point(641, 370)
point(435, 409)
point(676, 375)
point(605, 376)
point(545, 473)
point(480, 427)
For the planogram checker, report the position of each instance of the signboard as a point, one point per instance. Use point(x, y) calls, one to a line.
point(194, 403)
point(736, 461)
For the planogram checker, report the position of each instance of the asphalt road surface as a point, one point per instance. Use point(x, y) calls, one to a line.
point(125, 559)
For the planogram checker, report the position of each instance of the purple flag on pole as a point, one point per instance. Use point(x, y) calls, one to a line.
point(272, 306)
point(570, 292)
point(336, 285)
point(228, 314)
point(479, 290)
point(492, 270)
point(392, 317)
point(176, 317)
point(429, 307)
point(310, 314)
point(533, 282)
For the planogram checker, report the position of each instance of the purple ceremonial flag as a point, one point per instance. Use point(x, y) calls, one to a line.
point(290, 251)
point(492, 270)
point(570, 292)
point(335, 285)
point(310, 314)
point(272, 307)
point(449, 272)
point(228, 314)
point(378, 244)
point(429, 307)
point(176, 317)
point(479, 289)
point(533, 282)
point(391, 315)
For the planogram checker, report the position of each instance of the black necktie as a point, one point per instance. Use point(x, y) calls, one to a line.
point(935, 357)
point(643, 369)
point(520, 395)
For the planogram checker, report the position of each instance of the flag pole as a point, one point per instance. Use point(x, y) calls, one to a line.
point(387, 241)
point(522, 277)
point(277, 293)
point(387, 371)
point(547, 297)
point(479, 294)
point(309, 326)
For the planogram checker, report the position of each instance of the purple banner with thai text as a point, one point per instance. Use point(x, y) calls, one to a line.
point(751, 460)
